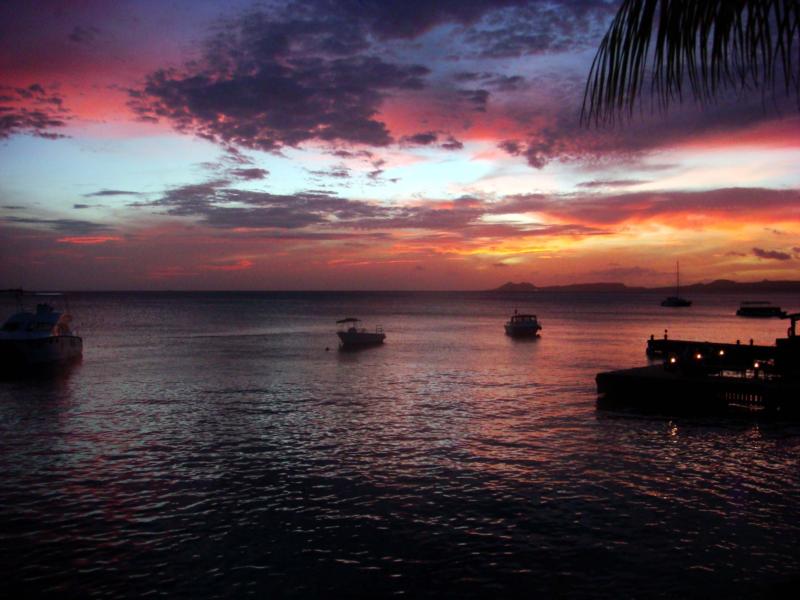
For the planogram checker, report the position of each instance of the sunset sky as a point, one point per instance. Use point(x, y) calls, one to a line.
point(363, 144)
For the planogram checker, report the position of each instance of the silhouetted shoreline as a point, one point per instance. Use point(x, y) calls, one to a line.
point(721, 286)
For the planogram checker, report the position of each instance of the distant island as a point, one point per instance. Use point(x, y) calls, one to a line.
point(717, 286)
point(515, 287)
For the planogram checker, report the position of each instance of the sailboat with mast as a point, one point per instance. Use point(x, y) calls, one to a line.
point(676, 301)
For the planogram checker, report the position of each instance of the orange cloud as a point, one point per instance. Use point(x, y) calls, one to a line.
point(235, 265)
point(88, 240)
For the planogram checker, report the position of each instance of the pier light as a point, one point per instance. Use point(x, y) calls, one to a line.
point(756, 365)
point(722, 352)
point(698, 356)
point(672, 360)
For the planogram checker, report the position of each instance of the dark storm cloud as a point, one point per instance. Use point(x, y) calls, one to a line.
point(771, 254)
point(62, 226)
point(31, 110)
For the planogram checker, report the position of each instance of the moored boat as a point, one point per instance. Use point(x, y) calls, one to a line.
point(760, 309)
point(353, 337)
point(523, 325)
point(40, 338)
point(676, 301)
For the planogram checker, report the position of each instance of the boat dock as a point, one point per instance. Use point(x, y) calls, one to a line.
point(724, 355)
point(702, 376)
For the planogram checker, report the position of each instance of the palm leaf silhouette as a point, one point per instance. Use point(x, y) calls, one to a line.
point(692, 47)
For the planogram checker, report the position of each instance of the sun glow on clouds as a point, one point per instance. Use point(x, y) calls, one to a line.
point(437, 148)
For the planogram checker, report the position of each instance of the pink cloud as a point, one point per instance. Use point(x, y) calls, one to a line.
point(88, 240)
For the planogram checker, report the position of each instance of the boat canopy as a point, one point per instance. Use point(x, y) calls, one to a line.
point(348, 320)
point(45, 319)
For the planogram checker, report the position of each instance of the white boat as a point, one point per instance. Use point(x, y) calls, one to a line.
point(676, 301)
point(522, 325)
point(31, 339)
point(352, 336)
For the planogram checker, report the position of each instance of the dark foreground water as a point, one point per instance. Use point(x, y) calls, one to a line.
point(209, 446)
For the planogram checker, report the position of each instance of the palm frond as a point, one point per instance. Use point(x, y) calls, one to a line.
point(696, 47)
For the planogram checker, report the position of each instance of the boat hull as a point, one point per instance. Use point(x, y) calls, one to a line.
point(676, 303)
point(360, 339)
point(764, 313)
point(16, 354)
point(523, 330)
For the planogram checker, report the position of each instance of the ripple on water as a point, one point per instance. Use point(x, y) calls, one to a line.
point(463, 464)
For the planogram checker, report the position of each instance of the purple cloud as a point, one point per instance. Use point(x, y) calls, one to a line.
point(421, 139)
point(771, 254)
point(249, 174)
point(110, 193)
point(266, 84)
point(32, 110)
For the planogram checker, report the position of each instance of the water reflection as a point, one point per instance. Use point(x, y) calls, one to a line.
point(451, 460)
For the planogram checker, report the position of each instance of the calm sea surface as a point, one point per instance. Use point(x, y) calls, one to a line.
point(210, 445)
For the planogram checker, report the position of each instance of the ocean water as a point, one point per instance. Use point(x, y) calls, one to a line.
point(218, 445)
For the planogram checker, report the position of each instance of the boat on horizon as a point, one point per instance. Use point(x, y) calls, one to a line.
point(522, 325)
point(760, 309)
point(353, 337)
point(676, 301)
point(33, 339)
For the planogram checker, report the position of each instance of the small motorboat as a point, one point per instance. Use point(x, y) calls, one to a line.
point(522, 325)
point(760, 309)
point(40, 338)
point(353, 337)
